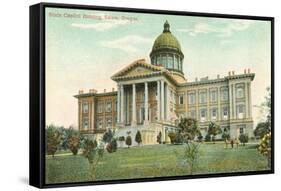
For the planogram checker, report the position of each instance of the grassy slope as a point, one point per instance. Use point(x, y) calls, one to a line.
point(152, 161)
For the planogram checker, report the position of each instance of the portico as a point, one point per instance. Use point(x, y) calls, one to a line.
point(141, 103)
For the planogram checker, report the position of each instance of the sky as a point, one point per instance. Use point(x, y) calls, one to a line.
point(84, 48)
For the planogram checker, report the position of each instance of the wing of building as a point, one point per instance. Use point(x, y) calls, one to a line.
point(152, 97)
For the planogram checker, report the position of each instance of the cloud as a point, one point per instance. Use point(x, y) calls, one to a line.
point(225, 30)
point(101, 26)
point(130, 43)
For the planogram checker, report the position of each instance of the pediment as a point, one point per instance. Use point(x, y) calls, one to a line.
point(138, 68)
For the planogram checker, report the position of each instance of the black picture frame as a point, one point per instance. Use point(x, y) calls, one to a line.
point(37, 93)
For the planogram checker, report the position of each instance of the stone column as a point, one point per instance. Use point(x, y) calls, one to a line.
point(167, 103)
point(162, 100)
point(145, 103)
point(246, 99)
point(158, 101)
point(122, 104)
point(118, 104)
point(134, 122)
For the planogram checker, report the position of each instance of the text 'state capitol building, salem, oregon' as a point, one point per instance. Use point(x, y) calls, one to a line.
point(153, 97)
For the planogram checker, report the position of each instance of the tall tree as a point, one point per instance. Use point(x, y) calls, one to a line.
point(262, 129)
point(188, 128)
point(214, 130)
point(53, 139)
point(94, 153)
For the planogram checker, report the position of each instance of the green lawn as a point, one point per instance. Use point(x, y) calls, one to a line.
point(153, 161)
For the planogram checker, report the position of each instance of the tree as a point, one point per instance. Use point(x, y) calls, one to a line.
point(243, 138)
point(159, 137)
point(188, 128)
point(262, 129)
point(74, 143)
point(108, 136)
point(138, 137)
point(128, 141)
point(111, 142)
point(214, 130)
point(93, 152)
point(191, 155)
point(265, 148)
point(53, 139)
point(176, 137)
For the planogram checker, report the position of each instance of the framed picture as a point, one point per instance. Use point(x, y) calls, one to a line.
point(132, 95)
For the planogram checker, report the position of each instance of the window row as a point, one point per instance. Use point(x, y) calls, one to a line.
point(213, 97)
point(168, 61)
point(203, 113)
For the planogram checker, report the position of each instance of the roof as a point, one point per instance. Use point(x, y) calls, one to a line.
point(129, 72)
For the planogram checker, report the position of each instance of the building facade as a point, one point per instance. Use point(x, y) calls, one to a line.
point(151, 98)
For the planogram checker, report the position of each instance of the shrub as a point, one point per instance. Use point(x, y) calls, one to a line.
point(200, 138)
point(138, 138)
point(158, 138)
point(176, 138)
point(122, 138)
point(207, 138)
point(128, 141)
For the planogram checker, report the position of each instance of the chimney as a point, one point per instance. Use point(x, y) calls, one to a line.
point(104, 90)
point(218, 76)
point(233, 73)
point(249, 71)
point(80, 92)
point(229, 73)
point(113, 89)
point(245, 71)
point(93, 91)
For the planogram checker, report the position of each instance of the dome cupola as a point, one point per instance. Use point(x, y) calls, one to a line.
point(166, 51)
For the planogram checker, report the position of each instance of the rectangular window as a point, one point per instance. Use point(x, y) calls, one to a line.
point(224, 95)
point(240, 111)
point(108, 123)
point(85, 123)
point(225, 113)
point(85, 107)
point(193, 114)
point(99, 123)
point(241, 130)
point(202, 96)
point(203, 114)
point(191, 98)
point(108, 106)
point(180, 99)
point(214, 113)
point(213, 96)
point(100, 107)
point(240, 92)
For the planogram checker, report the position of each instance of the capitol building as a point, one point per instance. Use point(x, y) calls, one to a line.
point(152, 97)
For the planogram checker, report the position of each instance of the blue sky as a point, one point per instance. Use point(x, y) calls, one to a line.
point(84, 48)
